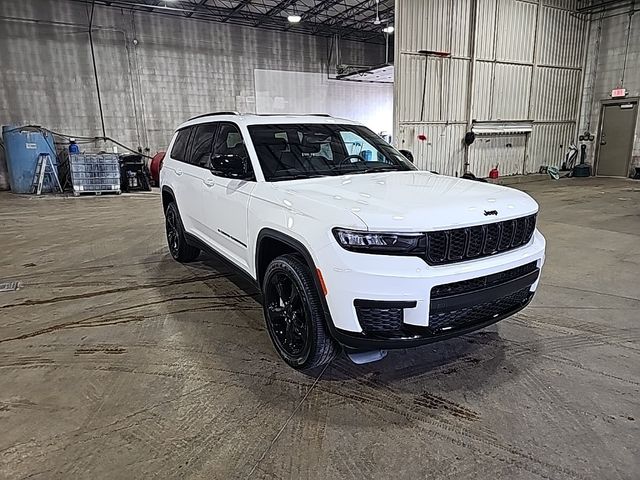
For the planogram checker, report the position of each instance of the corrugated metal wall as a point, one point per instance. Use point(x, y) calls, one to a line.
point(179, 68)
point(527, 65)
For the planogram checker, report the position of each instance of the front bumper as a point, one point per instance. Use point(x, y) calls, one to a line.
point(355, 279)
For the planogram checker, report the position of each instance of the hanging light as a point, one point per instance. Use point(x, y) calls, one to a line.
point(389, 29)
point(294, 18)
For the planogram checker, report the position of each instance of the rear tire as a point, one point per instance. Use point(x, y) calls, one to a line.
point(178, 247)
point(294, 315)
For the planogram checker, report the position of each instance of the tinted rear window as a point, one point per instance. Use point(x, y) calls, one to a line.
point(201, 145)
point(179, 150)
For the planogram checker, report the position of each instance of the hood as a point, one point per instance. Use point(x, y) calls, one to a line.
point(415, 200)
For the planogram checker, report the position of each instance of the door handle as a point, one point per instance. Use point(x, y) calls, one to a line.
point(209, 182)
point(178, 171)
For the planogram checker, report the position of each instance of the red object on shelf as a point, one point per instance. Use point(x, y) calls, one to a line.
point(493, 173)
point(155, 166)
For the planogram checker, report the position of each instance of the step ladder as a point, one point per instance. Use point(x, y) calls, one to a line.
point(44, 167)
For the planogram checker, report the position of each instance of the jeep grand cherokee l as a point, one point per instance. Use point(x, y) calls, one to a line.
point(350, 244)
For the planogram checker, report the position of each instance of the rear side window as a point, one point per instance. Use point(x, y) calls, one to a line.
point(179, 149)
point(201, 141)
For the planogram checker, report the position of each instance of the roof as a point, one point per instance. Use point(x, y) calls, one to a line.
point(265, 119)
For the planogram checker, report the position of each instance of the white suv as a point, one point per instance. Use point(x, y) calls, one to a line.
point(349, 243)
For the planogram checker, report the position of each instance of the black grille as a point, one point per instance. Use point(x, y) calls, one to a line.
point(378, 320)
point(465, 317)
point(387, 322)
point(466, 286)
point(459, 244)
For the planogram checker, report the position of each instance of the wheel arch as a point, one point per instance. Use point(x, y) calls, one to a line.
point(267, 238)
point(271, 244)
point(167, 197)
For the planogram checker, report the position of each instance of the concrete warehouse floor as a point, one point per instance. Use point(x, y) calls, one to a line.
point(117, 362)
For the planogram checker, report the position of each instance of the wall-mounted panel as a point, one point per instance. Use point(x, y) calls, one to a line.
point(433, 25)
point(286, 92)
point(423, 25)
point(409, 85)
point(506, 152)
point(516, 30)
point(486, 29)
point(482, 87)
point(548, 144)
point(442, 151)
point(560, 38)
point(556, 94)
point(511, 90)
point(460, 27)
point(419, 81)
point(443, 90)
point(455, 93)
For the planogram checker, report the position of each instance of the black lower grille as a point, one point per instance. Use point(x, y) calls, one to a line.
point(448, 246)
point(386, 321)
point(465, 317)
point(377, 320)
point(473, 284)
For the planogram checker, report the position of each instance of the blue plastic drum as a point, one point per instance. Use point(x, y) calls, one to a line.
point(23, 146)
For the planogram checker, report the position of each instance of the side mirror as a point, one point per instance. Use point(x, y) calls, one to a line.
point(407, 154)
point(233, 166)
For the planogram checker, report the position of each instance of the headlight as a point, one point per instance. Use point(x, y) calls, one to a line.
point(378, 242)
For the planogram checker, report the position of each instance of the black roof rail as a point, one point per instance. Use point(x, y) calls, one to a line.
point(211, 114)
point(292, 114)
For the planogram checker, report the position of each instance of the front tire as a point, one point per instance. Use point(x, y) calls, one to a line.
point(178, 247)
point(294, 314)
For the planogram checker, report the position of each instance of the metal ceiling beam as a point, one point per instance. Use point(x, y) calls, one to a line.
point(201, 3)
point(362, 5)
point(236, 9)
point(208, 11)
point(367, 18)
point(320, 7)
point(357, 9)
point(278, 9)
point(346, 29)
point(329, 18)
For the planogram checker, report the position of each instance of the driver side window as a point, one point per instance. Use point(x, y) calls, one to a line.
point(229, 142)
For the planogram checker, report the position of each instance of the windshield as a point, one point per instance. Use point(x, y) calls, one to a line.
point(293, 151)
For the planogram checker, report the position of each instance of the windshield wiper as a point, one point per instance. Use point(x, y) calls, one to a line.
point(386, 168)
point(296, 176)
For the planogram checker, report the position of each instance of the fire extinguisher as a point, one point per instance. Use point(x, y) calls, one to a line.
point(493, 173)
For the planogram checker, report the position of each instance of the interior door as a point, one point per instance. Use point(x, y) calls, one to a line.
point(616, 138)
point(228, 199)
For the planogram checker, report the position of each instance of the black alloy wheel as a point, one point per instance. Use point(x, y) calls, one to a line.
point(173, 233)
point(294, 315)
point(287, 315)
point(178, 247)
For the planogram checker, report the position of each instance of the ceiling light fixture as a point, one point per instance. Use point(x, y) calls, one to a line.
point(389, 29)
point(294, 18)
